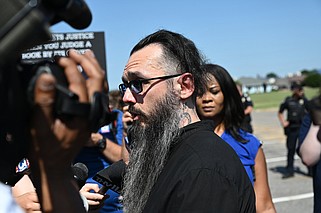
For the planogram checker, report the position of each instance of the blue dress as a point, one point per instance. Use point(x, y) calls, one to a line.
point(93, 158)
point(246, 151)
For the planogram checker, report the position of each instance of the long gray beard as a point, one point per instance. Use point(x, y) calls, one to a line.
point(151, 148)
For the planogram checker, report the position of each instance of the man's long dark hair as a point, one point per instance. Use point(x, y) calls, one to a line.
point(181, 50)
point(233, 112)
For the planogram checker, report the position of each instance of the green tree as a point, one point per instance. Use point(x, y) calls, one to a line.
point(312, 80)
point(309, 72)
point(271, 75)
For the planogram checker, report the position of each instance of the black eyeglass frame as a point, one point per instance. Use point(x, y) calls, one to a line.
point(130, 84)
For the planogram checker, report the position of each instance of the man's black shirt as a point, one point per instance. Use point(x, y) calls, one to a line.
point(202, 174)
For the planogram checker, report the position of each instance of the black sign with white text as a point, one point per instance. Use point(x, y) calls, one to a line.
point(62, 42)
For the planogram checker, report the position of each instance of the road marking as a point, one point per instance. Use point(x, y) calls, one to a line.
point(294, 197)
point(278, 159)
point(271, 142)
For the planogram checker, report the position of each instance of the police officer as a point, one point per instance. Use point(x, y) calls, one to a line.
point(295, 106)
point(248, 108)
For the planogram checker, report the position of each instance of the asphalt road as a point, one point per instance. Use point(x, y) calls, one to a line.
point(293, 195)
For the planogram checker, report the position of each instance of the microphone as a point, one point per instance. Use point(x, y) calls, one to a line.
point(76, 13)
point(111, 177)
point(80, 173)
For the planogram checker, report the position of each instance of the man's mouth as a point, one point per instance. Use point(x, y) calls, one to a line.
point(135, 114)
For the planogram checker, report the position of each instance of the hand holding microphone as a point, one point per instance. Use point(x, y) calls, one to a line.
point(94, 199)
point(110, 178)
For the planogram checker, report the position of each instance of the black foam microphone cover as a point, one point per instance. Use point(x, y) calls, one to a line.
point(112, 176)
point(80, 173)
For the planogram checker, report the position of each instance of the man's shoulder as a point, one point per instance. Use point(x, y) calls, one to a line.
point(210, 148)
point(203, 145)
point(288, 98)
point(204, 139)
point(214, 156)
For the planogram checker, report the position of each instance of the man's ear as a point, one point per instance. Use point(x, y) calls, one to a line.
point(186, 82)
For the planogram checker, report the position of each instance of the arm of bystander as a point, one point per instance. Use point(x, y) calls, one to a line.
point(263, 195)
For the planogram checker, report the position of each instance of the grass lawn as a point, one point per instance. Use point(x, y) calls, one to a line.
point(273, 99)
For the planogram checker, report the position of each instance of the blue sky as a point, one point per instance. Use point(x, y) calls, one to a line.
point(247, 37)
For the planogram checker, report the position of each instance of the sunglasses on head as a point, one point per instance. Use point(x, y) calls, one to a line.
point(136, 86)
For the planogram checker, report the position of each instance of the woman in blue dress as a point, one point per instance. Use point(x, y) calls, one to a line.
point(222, 103)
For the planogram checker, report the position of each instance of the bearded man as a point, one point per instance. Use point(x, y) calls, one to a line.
point(177, 163)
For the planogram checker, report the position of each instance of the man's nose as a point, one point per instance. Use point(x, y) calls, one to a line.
point(129, 96)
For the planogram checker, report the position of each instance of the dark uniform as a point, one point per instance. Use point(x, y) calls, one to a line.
point(246, 125)
point(296, 109)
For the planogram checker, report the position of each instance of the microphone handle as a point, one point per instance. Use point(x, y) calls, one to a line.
point(103, 190)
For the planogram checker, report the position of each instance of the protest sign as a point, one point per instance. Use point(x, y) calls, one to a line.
point(62, 42)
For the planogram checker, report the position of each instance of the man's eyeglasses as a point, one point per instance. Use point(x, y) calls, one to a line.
point(136, 86)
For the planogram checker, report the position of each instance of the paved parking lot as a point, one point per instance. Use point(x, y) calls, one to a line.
point(293, 195)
